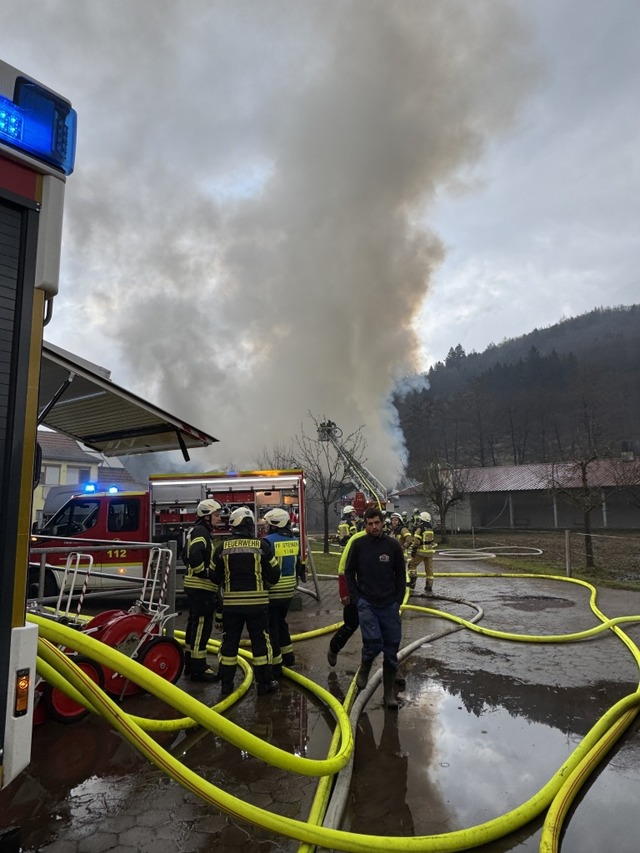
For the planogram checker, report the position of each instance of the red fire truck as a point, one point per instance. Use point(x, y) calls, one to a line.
point(116, 523)
point(37, 151)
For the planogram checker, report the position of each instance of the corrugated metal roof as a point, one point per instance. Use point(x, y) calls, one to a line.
point(541, 477)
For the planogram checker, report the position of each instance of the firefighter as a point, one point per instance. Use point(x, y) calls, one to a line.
point(415, 519)
point(347, 526)
point(286, 546)
point(399, 530)
point(245, 567)
point(201, 590)
point(422, 548)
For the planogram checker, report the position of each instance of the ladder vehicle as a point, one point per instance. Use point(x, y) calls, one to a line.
point(370, 491)
point(121, 525)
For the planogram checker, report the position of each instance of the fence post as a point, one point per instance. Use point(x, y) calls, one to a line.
point(567, 552)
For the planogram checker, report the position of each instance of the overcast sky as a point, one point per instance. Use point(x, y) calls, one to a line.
point(281, 206)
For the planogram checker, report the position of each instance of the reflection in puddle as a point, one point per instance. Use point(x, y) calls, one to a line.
point(450, 764)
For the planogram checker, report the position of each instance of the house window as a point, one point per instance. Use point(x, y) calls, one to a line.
point(51, 475)
point(78, 475)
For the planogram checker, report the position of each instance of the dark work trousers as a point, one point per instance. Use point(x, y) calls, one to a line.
point(257, 621)
point(351, 622)
point(381, 631)
point(199, 624)
point(279, 629)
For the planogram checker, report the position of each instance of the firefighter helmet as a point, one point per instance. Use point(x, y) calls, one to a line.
point(242, 513)
point(207, 507)
point(424, 516)
point(396, 515)
point(348, 510)
point(277, 517)
point(415, 510)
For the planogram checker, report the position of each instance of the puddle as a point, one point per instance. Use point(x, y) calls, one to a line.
point(451, 759)
point(533, 603)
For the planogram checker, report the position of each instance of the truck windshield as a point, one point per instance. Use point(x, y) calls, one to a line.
point(76, 517)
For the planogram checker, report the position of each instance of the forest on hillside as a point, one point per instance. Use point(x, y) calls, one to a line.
point(555, 394)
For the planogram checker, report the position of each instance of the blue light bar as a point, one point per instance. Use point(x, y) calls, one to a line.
point(113, 490)
point(40, 124)
point(89, 487)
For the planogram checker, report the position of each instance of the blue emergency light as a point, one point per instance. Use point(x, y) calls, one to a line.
point(39, 123)
point(89, 488)
point(113, 490)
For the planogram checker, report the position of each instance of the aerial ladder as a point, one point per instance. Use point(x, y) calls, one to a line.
point(365, 482)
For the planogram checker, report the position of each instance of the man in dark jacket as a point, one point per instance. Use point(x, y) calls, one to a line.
point(245, 566)
point(376, 577)
point(202, 592)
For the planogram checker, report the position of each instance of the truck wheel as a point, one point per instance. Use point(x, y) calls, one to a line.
point(33, 584)
point(59, 706)
point(164, 657)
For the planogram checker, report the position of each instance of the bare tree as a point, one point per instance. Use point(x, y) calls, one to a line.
point(443, 487)
point(571, 480)
point(325, 472)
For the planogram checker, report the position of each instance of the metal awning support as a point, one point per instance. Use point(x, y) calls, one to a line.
point(43, 414)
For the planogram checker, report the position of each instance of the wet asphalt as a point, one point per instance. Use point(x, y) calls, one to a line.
point(484, 722)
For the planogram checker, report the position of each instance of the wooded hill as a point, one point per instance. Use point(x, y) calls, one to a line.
point(555, 394)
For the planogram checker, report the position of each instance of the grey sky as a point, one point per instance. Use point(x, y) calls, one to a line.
point(281, 206)
point(554, 229)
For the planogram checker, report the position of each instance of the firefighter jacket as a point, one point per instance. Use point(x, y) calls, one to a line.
point(423, 538)
point(376, 570)
point(286, 548)
point(402, 534)
point(346, 529)
point(200, 559)
point(245, 567)
point(415, 522)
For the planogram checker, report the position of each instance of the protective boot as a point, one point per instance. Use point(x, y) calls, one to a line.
point(363, 674)
point(265, 682)
point(388, 682)
point(227, 673)
point(199, 670)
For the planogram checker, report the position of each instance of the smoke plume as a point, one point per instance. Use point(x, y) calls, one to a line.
point(246, 233)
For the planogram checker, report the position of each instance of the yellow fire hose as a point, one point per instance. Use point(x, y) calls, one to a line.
point(556, 796)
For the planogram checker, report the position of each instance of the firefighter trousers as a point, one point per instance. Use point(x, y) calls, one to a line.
point(257, 621)
point(199, 625)
point(279, 629)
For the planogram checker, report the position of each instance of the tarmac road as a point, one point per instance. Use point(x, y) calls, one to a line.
point(484, 722)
